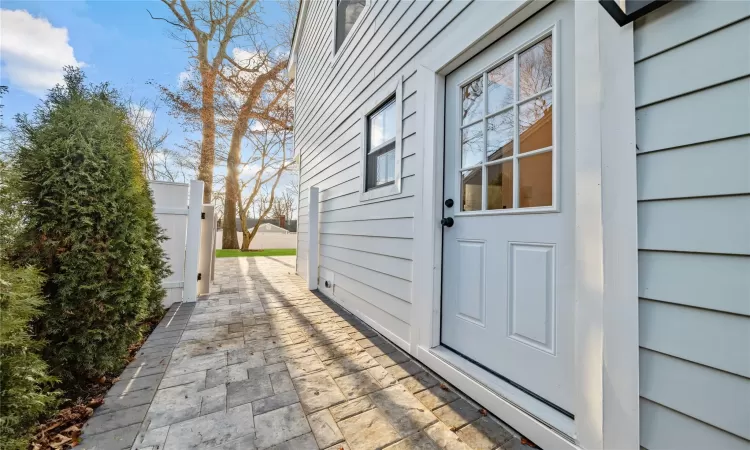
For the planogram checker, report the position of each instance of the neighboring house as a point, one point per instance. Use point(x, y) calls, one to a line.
point(590, 281)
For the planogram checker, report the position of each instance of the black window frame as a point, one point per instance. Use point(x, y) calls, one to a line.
point(371, 155)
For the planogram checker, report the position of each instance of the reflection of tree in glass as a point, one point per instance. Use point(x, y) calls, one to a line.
point(472, 145)
point(530, 112)
point(500, 136)
point(535, 68)
point(472, 101)
point(500, 87)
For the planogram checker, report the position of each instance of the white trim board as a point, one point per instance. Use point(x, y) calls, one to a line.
point(606, 413)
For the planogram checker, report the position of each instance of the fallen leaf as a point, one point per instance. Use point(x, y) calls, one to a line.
point(483, 412)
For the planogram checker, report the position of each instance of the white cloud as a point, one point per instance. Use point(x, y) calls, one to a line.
point(182, 77)
point(140, 116)
point(33, 52)
point(257, 126)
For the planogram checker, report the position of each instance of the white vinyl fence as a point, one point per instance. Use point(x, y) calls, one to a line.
point(178, 210)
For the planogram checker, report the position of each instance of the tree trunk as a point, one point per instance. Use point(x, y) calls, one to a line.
point(208, 129)
point(229, 232)
point(246, 239)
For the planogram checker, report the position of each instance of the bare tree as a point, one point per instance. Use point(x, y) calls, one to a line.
point(271, 158)
point(284, 205)
point(159, 162)
point(207, 28)
point(256, 101)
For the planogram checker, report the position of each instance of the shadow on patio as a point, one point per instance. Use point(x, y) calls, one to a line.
point(265, 363)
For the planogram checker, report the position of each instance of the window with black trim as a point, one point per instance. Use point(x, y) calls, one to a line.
point(347, 12)
point(381, 145)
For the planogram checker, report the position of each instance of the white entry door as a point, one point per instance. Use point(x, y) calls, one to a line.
point(508, 256)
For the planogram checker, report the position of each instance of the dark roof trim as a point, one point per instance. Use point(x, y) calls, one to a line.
point(626, 11)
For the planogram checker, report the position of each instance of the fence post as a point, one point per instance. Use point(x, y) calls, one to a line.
point(206, 247)
point(312, 239)
point(213, 248)
point(192, 242)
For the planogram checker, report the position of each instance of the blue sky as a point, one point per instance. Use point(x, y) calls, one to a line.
point(114, 41)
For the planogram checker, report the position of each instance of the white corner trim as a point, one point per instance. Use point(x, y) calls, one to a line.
point(313, 208)
point(392, 88)
point(607, 408)
point(299, 25)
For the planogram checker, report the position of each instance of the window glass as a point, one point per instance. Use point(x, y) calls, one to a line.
point(347, 12)
point(535, 183)
point(500, 186)
point(471, 190)
point(472, 102)
point(386, 168)
point(535, 123)
point(500, 87)
point(507, 115)
point(500, 136)
point(381, 146)
point(383, 125)
point(472, 143)
point(535, 69)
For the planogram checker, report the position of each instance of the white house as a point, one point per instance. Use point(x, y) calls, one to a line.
point(547, 203)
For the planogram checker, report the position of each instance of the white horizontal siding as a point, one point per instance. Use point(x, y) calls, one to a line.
point(366, 246)
point(717, 113)
point(711, 338)
point(680, 22)
point(718, 398)
point(693, 143)
point(682, 432)
point(707, 225)
point(701, 170)
point(717, 282)
point(685, 68)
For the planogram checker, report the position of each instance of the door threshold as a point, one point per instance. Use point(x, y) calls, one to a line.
point(559, 423)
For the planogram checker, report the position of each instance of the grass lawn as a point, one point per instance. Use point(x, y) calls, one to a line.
point(267, 252)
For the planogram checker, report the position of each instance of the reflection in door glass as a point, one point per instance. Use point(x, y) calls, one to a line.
point(472, 145)
point(472, 102)
point(500, 136)
point(535, 124)
point(471, 190)
point(500, 186)
point(535, 180)
point(500, 87)
point(535, 69)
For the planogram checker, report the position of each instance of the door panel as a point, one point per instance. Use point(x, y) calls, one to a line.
point(508, 260)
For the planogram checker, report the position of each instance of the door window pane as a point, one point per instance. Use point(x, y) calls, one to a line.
point(472, 145)
point(472, 102)
point(500, 186)
point(500, 136)
point(535, 124)
point(500, 87)
point(535, 180)
point(383, 125)
point(471, 190)
point(535, 69)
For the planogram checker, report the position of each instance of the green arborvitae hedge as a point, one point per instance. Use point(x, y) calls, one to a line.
point(90, 228)
point(26, 390)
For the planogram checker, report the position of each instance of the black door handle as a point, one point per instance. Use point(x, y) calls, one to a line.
point(447, 222)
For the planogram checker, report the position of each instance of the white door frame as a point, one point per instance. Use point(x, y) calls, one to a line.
point(606, 312)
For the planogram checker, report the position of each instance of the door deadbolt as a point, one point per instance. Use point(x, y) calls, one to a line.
point(449, 202)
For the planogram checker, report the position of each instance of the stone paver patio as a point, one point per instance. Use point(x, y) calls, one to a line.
point(263, 363)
